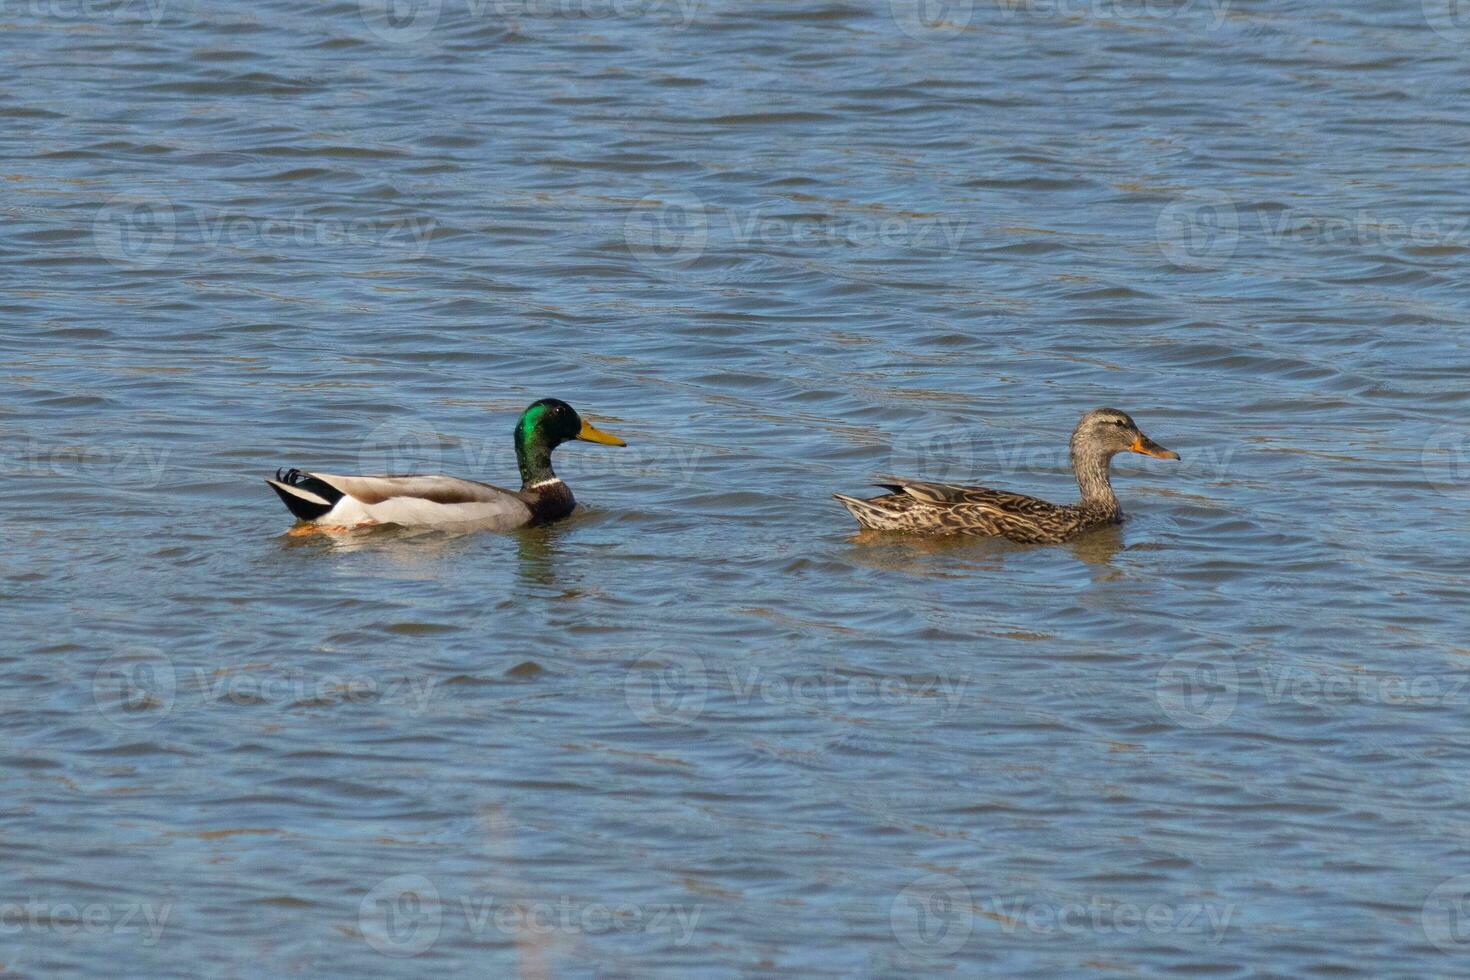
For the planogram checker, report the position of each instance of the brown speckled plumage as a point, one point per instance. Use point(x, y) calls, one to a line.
point(917, 507)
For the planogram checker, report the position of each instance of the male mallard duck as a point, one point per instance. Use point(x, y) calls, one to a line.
point(943, 508)
point(359, 501)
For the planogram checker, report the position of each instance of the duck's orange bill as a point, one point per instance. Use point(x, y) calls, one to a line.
point(590, 433)
point(1145, 446)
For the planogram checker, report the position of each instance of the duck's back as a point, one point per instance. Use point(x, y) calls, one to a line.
point(919, 507)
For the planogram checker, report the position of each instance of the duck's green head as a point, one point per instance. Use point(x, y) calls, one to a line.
point(551, 422)
point(543, 426)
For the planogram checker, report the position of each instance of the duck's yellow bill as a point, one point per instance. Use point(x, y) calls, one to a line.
point(590, 433)
point(1145, 446)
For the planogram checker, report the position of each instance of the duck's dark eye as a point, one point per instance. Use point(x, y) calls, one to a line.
point(1119, 422)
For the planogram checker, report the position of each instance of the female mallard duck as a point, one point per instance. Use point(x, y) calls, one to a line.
point(341, 502)
point(943, 508)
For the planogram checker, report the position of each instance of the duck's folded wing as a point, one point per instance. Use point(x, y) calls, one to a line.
point(429, 499)
point(952, 494)
point(439, 489)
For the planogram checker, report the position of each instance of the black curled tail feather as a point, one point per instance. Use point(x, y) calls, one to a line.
point(316, 497)
point(310, 484)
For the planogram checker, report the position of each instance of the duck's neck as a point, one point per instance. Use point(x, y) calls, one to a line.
point(1091, 467)
point(533, 455)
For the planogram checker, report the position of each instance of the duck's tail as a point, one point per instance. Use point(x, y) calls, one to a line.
point(865, 512)
point(303, 494)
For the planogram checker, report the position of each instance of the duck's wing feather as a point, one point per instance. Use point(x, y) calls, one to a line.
point(436, 489)
point(424, 500)
point(953, 494)
point(921, 507)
